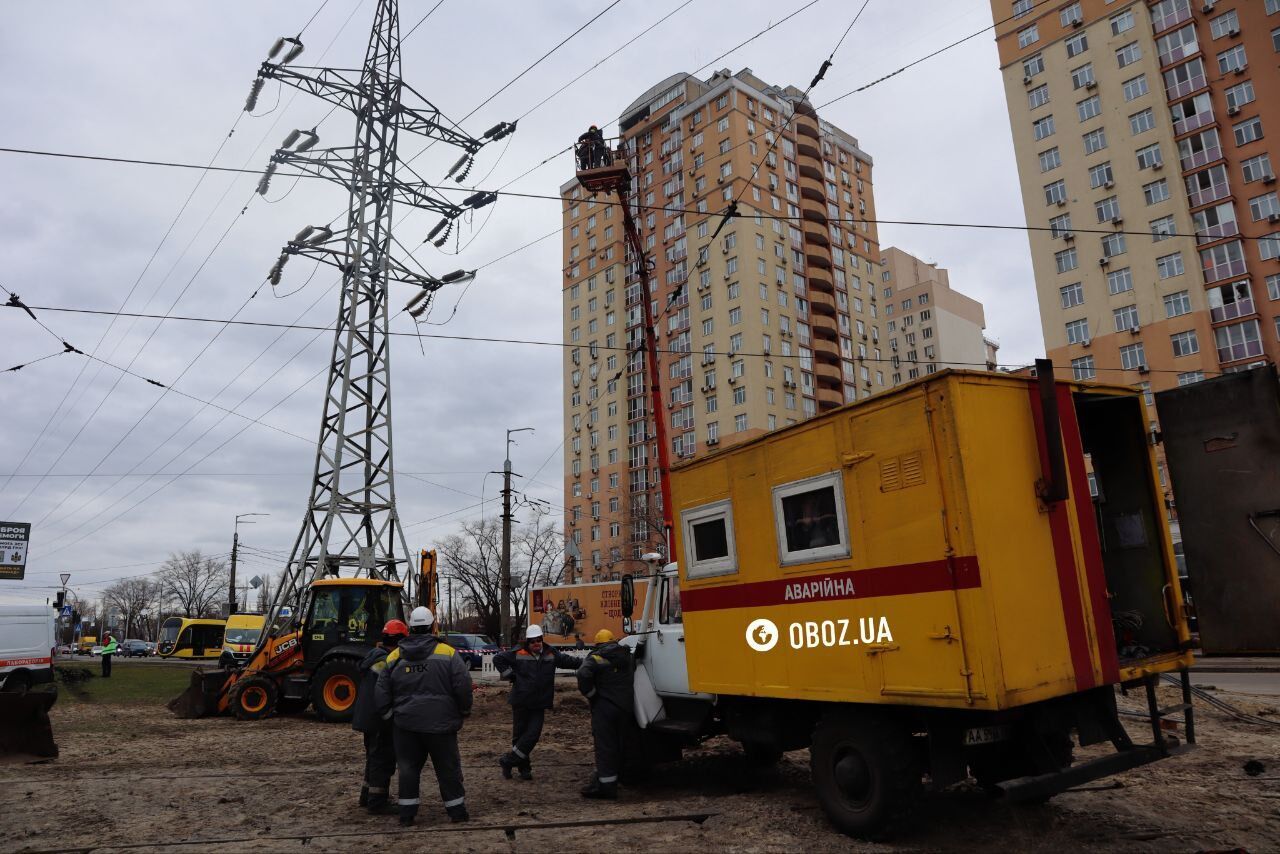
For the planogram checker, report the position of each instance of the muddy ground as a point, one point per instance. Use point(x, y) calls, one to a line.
point(136, 777)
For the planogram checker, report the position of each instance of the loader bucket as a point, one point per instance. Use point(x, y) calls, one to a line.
point(201, 697)
point(25, 730)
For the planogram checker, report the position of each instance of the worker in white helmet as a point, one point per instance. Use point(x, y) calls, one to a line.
point(531, 670)
point(426, 689)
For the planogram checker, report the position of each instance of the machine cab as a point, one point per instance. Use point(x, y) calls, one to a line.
point(348, 611)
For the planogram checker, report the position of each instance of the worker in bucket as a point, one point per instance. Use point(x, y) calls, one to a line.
point(605, 678)
point(379, 747)
point(531, 670)
point(426, 691)
point(109, 647)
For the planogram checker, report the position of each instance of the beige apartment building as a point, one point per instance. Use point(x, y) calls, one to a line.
point(773, 321)
point(929, 326)
point(1148, 179)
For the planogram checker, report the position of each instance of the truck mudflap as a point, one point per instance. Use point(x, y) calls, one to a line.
point(1128, 755)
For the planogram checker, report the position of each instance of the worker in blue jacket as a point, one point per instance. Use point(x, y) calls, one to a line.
point(531, 670)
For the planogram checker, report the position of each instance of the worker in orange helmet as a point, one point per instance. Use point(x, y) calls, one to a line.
point(379, 748)
point(605, 679)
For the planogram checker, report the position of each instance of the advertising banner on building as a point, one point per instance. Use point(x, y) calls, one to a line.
point(13, 550)
point(571, 612)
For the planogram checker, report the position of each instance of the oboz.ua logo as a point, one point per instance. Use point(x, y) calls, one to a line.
point(762, 635)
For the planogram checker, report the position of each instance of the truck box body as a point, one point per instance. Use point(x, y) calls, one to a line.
point(26, 644)
point(897, 551)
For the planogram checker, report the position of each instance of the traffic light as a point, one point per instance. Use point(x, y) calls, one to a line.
point(60, 600)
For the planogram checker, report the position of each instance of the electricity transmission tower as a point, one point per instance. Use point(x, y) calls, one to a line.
point(350, 526)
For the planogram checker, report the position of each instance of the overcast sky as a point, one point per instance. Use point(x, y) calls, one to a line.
point(167, 81)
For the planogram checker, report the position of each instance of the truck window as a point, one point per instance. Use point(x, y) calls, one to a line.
point(809, 515)
point(708, 540)
point(669, 606)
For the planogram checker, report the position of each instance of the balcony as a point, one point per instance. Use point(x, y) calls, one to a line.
point(817, 258)
point(1224, 270)
point(805, 150)
point(1185, 87)
point(816, 237)
point(824, 328)
point(1173, 53)
point(1171, 19)
point(1196, 198)
point(829, 398)
point(1210, 233)
point(822, 303)
point(827, 376)
point(1200, 158)
point(804, 127)
point(820, 282)
point(1190, 123)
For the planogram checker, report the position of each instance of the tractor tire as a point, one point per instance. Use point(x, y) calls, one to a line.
point(334, 688)
point(253, 699)
point(866, 772)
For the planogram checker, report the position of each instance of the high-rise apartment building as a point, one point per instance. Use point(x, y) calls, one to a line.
point(1141, 134)
point(774, 321)
point(929, 326)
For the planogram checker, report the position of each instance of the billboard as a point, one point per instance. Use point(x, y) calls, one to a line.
point(13, 549)
point(571, 611)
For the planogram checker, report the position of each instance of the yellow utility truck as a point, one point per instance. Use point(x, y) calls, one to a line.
point(949, 578)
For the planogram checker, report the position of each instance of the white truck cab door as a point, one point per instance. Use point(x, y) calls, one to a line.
point(664, 646)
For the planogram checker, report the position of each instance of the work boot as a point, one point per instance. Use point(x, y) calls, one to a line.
point(601, 791)
point(507, 761)
point(458, 813)
point(364, 796)
point(526, 770)
point(407, 816)
point(379, 805)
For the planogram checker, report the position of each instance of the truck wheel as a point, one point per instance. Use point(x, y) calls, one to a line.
point(761, 755)
point(866, 772)
point(253, 699)
point(17, 683)
point(334, 689)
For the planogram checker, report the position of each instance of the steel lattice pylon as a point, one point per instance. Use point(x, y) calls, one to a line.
point(350, 526)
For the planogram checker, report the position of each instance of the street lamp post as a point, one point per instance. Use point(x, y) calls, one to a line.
point(235, 547)
point(505, 587)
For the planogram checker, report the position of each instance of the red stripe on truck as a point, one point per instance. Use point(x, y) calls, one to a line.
point(897, 580)
point(24, 662)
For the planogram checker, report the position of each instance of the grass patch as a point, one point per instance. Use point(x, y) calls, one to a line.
point(129, 683)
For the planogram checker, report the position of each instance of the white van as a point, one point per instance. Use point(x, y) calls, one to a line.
point(26, 646)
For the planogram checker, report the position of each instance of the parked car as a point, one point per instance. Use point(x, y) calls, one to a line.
point(134, 648)
point(151, 648)
point(472, 648)
point(97, 649)
point(66, 649)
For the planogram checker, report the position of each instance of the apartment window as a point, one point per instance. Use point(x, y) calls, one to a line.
point(1149, 157)
point(1055, 192)
point(1077, 45)
point(1082, 76)
point(1240, 94)
point(740, 422)
point(1168, 266)
point(1257, 168)
point(1088, 108)
point(1230, 301)
point(1168, 13)
point(1142, 122)
point(1185, 343)
point(1028, 36)
point(1273, 286)
point(1066, 260)
point(1126, 318)
point(1272, 6)
point(1078, 331)
point(1071, 295)
point(1239, 341)
point(1082, 368)
point(1133, 357)
point(1122, 23)
point(1112, 245)
point(1232, 59)
point(1135, 87)
point(1042, 128)
point(1269, 246)
point(739, 395)
point(1177, 45)
point(1247, 131)
point(1156, 191)
point(1022, 8)
point(1100, 175)
point(1128, 54)
point(735, 316)
point(1119, 281)
point(1095, 140)
point(1050, 160)
point(1070, 15)
point(1032, 65)
point(1038, 96)
point(1222, 261)
point(1190, 377)
point(1058, 226)
point(1163, 228)
point(1264, 207)
point(735, 342)
point(1107, 209)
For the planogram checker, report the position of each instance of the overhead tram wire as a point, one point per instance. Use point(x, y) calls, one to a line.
point(235, 220)
point(565, 344)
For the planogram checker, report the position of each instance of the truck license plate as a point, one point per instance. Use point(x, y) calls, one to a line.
point(987, 734)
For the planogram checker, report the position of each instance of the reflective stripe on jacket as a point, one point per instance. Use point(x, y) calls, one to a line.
point(533, 676)
point(426, 686)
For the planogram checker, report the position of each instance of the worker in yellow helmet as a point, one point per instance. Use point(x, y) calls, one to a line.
point(605, 679)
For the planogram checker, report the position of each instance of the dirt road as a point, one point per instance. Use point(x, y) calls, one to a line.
point(135, 777)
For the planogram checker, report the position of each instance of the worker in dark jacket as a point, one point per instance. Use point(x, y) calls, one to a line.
point(532, 671)
point(605, 678)
point(379, 747)
point(426, 688)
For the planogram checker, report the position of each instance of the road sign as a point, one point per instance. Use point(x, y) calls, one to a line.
point(66, 576)
point(66, 611)
point(13, 550)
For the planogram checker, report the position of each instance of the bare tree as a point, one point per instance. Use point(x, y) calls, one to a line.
point(473, 559)
point(131, 597)
point(195, 584)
